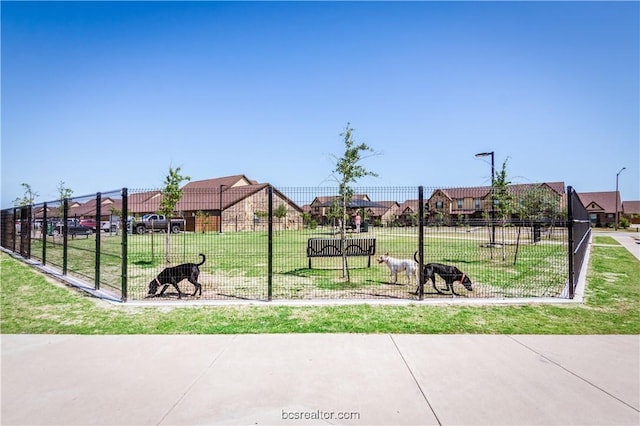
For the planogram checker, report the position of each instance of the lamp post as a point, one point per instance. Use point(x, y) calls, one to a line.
point(221, 206)
point(616, 195)
point(493, 206)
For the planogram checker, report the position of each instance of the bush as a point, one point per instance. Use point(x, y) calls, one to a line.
point(624, 222)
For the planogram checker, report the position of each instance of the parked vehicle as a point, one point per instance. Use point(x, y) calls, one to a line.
point(73, 228)
point(89, 223)
point(109, 226)
point(156, 222)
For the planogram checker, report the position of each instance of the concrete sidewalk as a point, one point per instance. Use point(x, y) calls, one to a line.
point(320, 379)
point(631, 243)
point(629, 240)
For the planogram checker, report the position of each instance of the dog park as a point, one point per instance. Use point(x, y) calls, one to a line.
point(264, 257)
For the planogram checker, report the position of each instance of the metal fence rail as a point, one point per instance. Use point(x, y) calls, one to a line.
point(256, 241)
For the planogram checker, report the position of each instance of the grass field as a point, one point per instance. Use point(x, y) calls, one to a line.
point(33, 303)
point(237, 263)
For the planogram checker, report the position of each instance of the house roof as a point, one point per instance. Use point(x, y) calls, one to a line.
point(204, 195)
point(209, 198)
point(484, 191)
point(143, 202)
point(631, 207)
point(409, 206)
point(326, 199)
point(601, 201)
point(227, 181)
point(387, 205)
point(89, 208)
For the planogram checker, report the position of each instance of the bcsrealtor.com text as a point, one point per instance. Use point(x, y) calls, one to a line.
point(320, 415)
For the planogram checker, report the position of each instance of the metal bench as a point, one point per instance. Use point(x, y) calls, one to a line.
point(331, 247)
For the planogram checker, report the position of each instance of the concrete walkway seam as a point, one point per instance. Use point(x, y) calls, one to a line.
point(514, 338)
point(415, 379)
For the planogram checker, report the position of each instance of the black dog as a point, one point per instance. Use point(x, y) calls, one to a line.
point(448, 273)
point(172, 276)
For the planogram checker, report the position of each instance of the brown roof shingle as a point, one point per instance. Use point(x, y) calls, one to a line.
point(631, 207)
point(604, 200)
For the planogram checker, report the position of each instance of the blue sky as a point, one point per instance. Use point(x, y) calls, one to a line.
point(103, 95)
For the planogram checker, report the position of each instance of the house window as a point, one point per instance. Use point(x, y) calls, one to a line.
point(476, 203)
point(439, 204)
point(460, 203)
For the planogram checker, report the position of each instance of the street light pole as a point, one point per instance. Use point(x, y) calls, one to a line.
point(493, 205)
point(616, 195)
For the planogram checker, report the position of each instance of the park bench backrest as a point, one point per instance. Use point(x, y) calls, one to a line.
point(330, 247)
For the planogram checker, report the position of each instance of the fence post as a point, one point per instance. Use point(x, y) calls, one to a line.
point(270, 245)
point(13, 230)
point(45, 229)
point(420, 243)
point(25, 237)
point(98, 217)
point(125, 230)
point(65, 235)
point(570, 242)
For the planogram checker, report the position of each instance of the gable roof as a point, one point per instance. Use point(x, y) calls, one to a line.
point(330, 198)
point(386, 206)
point(209, 198)
point(89, 208)
point(408, 207)
point(228, 181)
point(143, 202)
point(631, 207)
point(605, 201)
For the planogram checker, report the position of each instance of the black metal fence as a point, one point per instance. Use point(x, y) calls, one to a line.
point(579, 233)
point(264, 243)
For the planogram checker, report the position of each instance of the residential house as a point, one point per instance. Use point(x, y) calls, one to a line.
point(386, 214)
point(407, 213)
point(143, 202)
point(235, 203)
point(321, 206)
point(449, 205)
point(241, 202)
point(632, 211)
point(89, 210)
point(602, 207)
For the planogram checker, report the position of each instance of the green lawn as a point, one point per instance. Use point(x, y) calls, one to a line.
point(605, 240)
point(237, 262)
point(33, 303)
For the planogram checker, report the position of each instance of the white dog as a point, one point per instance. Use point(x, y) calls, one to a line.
point(399, 265)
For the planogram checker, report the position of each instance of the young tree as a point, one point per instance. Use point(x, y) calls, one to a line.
point(538, 204)
point(503, 201)
point(281, 213)
point(63, 191)
point(171, 195)
point(348, 170)
point(28, 198)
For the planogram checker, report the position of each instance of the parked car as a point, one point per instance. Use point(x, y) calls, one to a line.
point(89, 223)
point(73, 228)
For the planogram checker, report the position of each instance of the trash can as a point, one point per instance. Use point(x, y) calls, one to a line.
point(364, 227)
